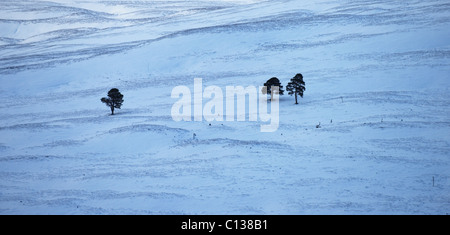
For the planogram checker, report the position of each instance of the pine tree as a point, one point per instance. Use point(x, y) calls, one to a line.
point(273, 82)
point(114, 99)
point(296, 86)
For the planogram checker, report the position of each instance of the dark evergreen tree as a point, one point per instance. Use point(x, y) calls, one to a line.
point(296, 86)
point(271, 83)
point(114, 99)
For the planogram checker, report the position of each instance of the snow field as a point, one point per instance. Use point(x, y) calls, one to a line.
point(376, 80)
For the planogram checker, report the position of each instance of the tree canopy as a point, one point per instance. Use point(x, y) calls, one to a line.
point(296, 86)
point(114, 99)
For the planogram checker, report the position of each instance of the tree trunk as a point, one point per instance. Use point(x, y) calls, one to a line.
point(112, 110)
point(296, 98)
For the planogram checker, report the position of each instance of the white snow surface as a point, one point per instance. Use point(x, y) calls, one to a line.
point(377, 81)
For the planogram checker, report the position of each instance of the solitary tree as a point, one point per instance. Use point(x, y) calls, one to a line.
point(114, 99)
point(296, 86)
point(271, 83)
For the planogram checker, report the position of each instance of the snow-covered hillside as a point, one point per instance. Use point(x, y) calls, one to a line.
point(377, 81)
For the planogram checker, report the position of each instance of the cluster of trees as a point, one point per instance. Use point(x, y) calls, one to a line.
point(295, 87)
